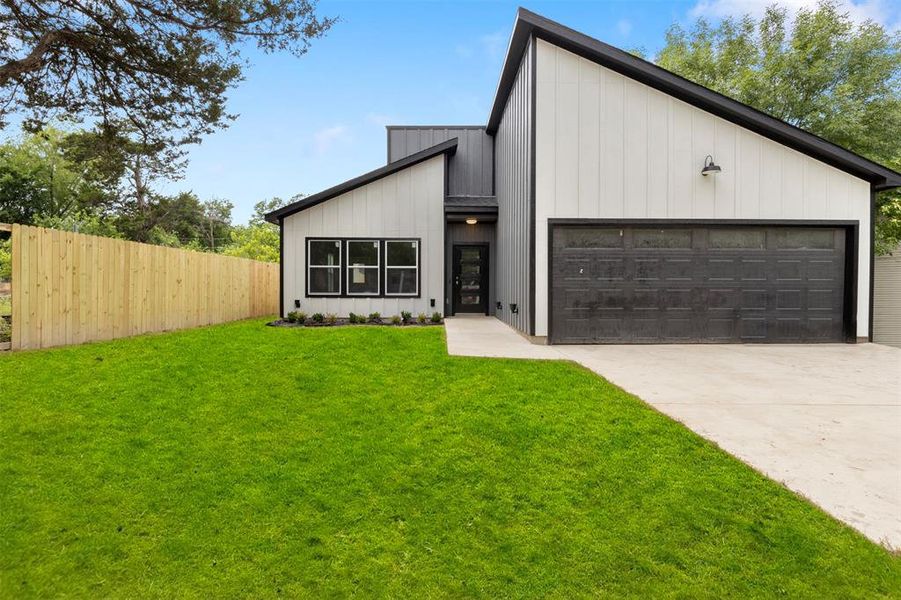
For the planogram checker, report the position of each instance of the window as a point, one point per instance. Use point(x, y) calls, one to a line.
point(354, 267)
point(324, 267)
point(401, 267)
point(363, 268)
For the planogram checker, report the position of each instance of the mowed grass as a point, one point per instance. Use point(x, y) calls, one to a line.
point(248, 461)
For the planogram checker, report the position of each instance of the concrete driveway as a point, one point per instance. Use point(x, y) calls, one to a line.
point(825, 420)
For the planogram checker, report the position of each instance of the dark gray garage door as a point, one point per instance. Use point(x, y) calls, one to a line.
point(696, 284)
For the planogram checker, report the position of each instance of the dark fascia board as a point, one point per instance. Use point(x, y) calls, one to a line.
point(434, 127)
point(529, 24)
point(447, 147)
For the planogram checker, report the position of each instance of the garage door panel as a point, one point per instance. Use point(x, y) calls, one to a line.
point(697, 284)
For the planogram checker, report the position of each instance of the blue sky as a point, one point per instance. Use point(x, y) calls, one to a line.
point(306, 124)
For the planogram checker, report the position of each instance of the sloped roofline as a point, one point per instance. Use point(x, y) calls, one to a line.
point(446, 147)
point(529, 24)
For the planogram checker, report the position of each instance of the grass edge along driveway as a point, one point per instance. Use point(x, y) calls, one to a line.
point(243, 460)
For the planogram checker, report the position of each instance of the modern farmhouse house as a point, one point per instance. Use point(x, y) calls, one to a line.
point(606, 200)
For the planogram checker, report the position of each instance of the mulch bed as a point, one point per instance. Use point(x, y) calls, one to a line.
point(344, 322)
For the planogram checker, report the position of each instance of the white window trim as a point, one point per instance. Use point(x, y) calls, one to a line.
point(377, 267)
point(310, 267)
point(389, 267)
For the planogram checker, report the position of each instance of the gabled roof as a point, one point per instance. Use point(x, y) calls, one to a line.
point(529, 24)
point(447, 147)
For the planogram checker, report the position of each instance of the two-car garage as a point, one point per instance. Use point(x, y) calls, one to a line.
point(690, 282)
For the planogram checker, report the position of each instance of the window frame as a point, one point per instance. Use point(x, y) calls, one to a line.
point(310, 294)
point(378, 267)
point(416, 266)
point(382, 241)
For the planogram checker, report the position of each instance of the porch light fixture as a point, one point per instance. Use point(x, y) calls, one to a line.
point(471, 221)
point(710, 167)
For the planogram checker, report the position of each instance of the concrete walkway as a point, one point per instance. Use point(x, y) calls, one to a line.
point(825, 420)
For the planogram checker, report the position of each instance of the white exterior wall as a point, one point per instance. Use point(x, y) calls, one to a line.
point(610, 147)
point(409, 203)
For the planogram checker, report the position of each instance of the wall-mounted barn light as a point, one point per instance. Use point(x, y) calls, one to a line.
point(471, 221)
point(710, 167)
point(514, 308)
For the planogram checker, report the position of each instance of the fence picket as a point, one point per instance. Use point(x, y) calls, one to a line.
point(69, 288)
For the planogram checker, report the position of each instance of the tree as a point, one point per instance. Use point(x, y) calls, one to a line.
point(820, 72)
point(258, 239)
point(160, 66)
point(38, 179)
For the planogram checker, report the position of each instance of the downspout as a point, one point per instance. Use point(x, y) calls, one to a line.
point(872, 260)
point(281, 268)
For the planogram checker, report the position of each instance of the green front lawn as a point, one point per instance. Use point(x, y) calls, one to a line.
point(244, 460)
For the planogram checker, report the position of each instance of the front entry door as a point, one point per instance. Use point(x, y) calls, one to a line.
point(471, 279)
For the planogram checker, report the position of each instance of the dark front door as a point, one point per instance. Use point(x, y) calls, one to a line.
point(646, 284)
point(471, 279)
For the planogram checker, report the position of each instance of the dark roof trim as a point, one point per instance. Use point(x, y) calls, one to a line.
point(447, 147)
point(434, 127)
point(529, 23)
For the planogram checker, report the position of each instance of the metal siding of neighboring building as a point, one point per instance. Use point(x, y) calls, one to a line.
point(470, 169)
point(461, 233)
point(887, 300)
point(513, 187)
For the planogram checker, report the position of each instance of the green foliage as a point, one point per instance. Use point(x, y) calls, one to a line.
point(296, 316)
point(248, 461)
point(436, 317)
point(5, 330)
point(375, 318)
point(38, 179)
point(6, 259)
point(396, 320)
point(406, 316)
point(318, 317)
point(162, 67)
point(820, 71)
point(259, 242)
point(353, 319)
point(82, 222)
point(331, 318)
point(422, 318)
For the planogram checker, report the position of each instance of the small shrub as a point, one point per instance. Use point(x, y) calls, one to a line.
point(395, 320)
point(406, 316)
point(354, 318)
point(331, 318)
point(422, 318)
point(436, 317)
point(318, 317)
point(5, 330)
point(295, 316)
point(375, 317)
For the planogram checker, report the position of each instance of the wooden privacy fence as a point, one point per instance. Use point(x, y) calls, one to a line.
point(69, 288)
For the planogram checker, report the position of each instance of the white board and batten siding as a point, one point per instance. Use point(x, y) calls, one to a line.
point(887, 299)
point(406, 204)
point(610, 147)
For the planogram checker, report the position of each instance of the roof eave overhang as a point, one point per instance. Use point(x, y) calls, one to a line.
point(447, 148)
point(529, 25)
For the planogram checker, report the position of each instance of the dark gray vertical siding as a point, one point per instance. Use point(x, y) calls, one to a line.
point(461, 233)
point(513, 187)
point(470, 169)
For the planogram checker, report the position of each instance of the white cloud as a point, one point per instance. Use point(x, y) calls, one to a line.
point(624, 27)
point(325, 139)
point(491, 45)
point(860, 11)
point(494, 44)
point(380, 119)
